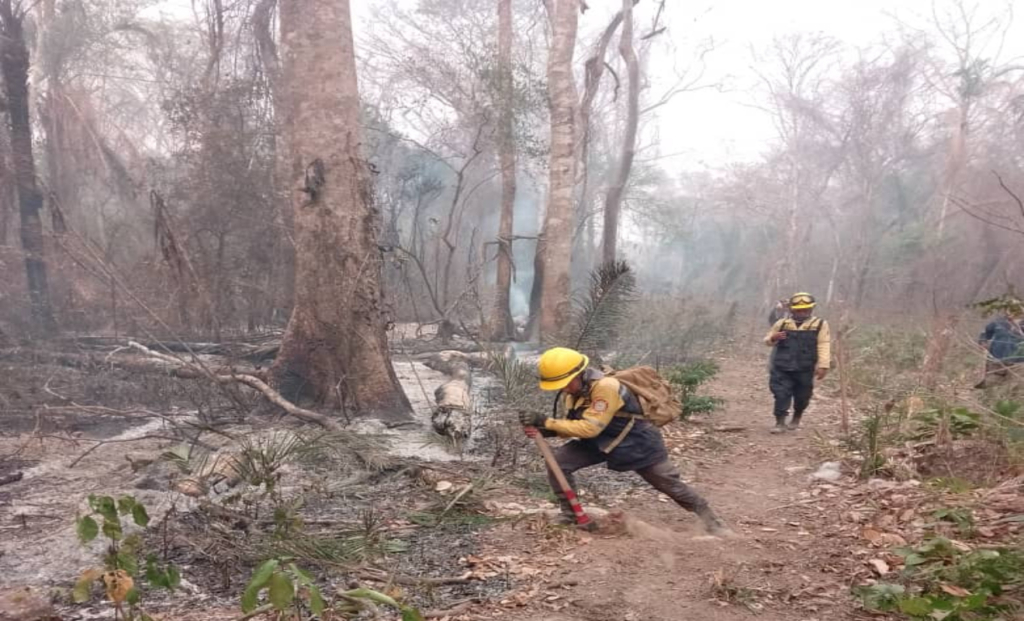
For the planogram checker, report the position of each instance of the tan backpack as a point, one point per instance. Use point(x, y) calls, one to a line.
point(657, 396)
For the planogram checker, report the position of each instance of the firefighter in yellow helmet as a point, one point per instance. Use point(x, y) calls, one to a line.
point(606, 421)
point(802, 353)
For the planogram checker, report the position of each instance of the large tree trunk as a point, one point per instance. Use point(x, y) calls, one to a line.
point(502, 327)
point(554, 248)
point(14, 66)
point(613, 202)
point(335, 347)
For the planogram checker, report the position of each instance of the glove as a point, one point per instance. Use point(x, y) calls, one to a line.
point(528, 418)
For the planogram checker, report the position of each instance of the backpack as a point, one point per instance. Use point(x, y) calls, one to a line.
point(657, 396)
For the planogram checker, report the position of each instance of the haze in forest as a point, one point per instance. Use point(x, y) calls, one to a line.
point(318, 282)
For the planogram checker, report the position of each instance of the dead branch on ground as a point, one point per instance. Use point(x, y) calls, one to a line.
point(252, 382)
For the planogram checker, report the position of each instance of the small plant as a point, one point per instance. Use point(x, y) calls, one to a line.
point(958, 422)
point(949, 581)
point(289, 589)
point(871, 445)
point(961, 517)
point(688, 379)
point(368, 542)
point(286, 586)
point(356, 596)
point(120, 563)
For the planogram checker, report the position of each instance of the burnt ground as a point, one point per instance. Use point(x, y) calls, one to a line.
point(469, 537)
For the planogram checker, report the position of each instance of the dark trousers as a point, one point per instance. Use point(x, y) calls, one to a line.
point(791, 388)
point(662, 476)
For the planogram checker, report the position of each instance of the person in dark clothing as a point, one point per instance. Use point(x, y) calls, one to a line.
point(801, 354)
point(606, 421)
point(1004, 340)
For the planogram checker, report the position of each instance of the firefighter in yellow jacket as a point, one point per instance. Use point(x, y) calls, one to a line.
point(802, 353)
point(606, 421)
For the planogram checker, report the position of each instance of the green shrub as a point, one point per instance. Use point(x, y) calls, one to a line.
point(943, 580)
point(688, 379)
point(120, 569)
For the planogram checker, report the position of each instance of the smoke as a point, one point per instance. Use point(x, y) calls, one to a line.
point(527, 224)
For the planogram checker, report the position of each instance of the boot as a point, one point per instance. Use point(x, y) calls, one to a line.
point(714, 524)
point(780, 425)
point(794, 424)
point(564, 519)
point(565, 515)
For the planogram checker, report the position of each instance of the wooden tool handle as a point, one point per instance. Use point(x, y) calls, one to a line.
point(582, 519)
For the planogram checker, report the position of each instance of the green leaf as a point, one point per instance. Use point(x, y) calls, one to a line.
point(914, 559)
point(262, 574)
point(133, 597)
point(126, 561)
point(316, 601)
point(974, 602)
point(411, 614)
point(250, 599)
point(82, 590)
point(125, 504)
point(173, 577)
point(112, 529)
point(140, 516)
point(301, 575)
point(132, 543)
point(282, 591)
point(87, 529)
point(153, 575)
point(104, 505)
point(916, 606)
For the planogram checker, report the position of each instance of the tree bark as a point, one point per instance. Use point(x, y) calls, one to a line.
point(613, 201)
point(554, 248)
point(335, 347)
point(14, 64)
point(502, 327)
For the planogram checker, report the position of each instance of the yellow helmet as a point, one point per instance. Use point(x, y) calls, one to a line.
point(801, 301)
point(558, 366)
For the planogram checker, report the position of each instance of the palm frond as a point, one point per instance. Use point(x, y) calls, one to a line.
point(599, 314)
point(517, 379)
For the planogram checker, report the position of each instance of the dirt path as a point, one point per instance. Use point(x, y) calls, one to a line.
point(778, 566)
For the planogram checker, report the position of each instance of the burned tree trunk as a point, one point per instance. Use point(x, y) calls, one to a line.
point(335, 347)
point(613, 201)
point(502, 327)
point(14, 64)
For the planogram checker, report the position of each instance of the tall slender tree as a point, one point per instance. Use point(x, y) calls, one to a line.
point(613, 200)
point(335, 347)
point(554, 251)
point(502, 327)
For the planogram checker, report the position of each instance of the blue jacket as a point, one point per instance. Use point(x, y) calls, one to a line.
point(1005, 340)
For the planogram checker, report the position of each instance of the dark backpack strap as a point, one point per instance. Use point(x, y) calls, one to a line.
point(554, 406)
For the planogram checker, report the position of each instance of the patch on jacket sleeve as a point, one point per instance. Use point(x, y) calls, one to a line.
point(600, 405)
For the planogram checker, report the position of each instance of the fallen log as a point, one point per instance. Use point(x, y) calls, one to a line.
point(453, 363)
point(453, 414)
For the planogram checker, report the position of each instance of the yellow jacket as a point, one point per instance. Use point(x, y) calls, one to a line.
point(824, 337)
point(601, 402)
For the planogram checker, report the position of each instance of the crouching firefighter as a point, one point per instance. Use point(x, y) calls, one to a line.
point(605, 416)
point(802, 353)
